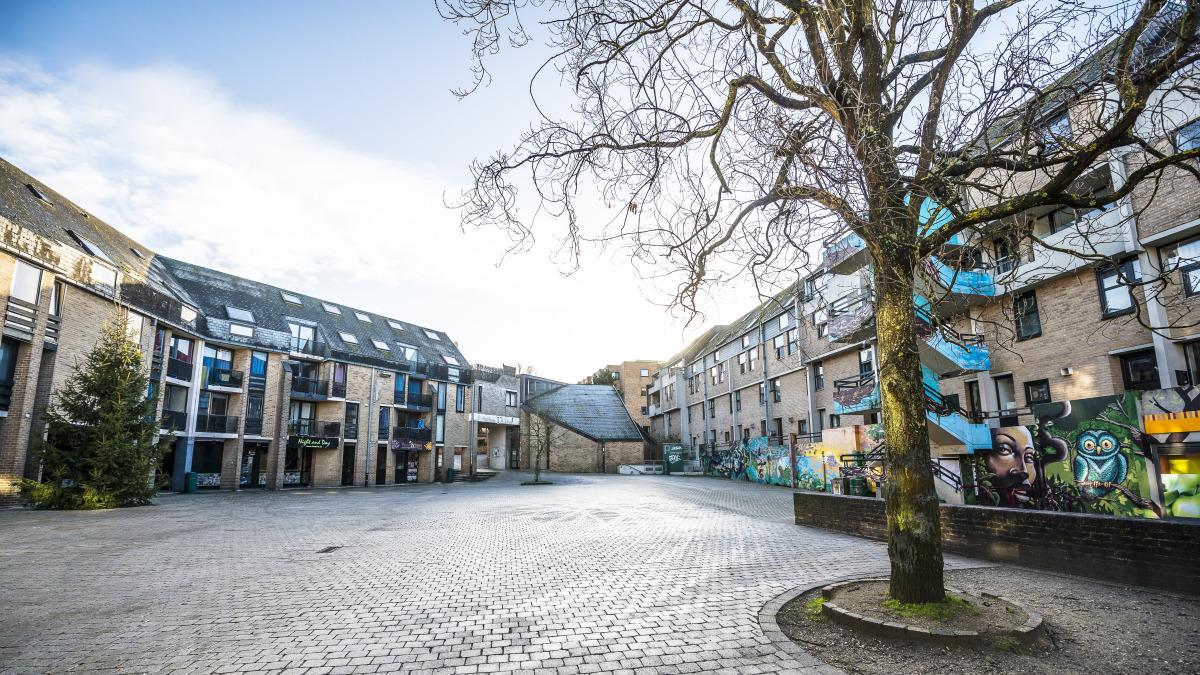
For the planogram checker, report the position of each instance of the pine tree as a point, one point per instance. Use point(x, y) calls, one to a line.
point(101, 448)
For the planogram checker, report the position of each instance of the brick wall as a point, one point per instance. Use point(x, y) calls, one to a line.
point(1160, 553)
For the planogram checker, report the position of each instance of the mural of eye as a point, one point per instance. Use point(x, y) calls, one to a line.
point(1089, 445)
point(1106, 444)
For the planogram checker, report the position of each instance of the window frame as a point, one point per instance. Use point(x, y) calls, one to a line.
point(19, 264)
point(348, 338)
point(331, 308)
point(291, 298)
point(1031, 385)
point(1023, 311)
point(1126, 270)
point(241, 330)
point(239, 314)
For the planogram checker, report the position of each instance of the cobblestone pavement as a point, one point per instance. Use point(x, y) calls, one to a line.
point(594, 574)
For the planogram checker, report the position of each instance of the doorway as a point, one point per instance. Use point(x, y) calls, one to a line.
point(252, 474)
point(348, 451)
point(381, 467)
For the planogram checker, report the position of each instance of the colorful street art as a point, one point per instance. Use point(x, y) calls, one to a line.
point(816, 466)
point(1171, 419)
point(1087, 456)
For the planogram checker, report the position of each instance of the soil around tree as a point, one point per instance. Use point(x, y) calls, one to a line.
point(1090, 627)
point(960, 612)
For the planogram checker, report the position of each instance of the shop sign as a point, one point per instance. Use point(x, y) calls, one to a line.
point(316, 442)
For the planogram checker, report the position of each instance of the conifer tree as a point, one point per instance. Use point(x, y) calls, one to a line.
point(101, 449)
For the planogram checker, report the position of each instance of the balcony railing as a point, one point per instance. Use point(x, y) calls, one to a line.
point(174, 420)
point(254, 426)
point(179, 369)
point(350, 430)
point(314, 428)
point(306, 346)
point(417, 401)
point(225, 378)
point(338, 390)
point(6, 387)
point(217, 424)
point(310, 387)
point(412, 433)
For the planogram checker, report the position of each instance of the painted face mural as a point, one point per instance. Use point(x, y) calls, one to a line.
point(1013, 460)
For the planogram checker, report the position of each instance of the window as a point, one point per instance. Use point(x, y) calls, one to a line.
point(239, 329)
point(133, 326)
point(802, 427)
point(645, 372)
point(91, 247)
point(793, 340)
point(1057, 130)
point(1006, 394)
point(820, 420)
point(776, 391)
point(441, 396)
point(460, 398)
point(239, 314)
point(1055, 221)
point(381, 345)
point(762, 394)
point(258, 364)
point(1037, 391)
point(712, 407)
point(737, 400)
point(8, 365)
point(1025, 311)
point(510, 398)
point(450, 359)
point(362, 316)
point(1187, 137)
point(384, 421)
point(780, 344)
point(105, 276)
point(410, 352)
point(951, 401)
point(1139, 370)
point(1007, 258)
point(186, 314)
point(1184, 256)
point(351, 420)
point(138, 254)
point(818, 371)
point(432, 335)
point(27, 282)
point(348, 338)
point(746, 341)
point(742, 362)
point(439, 430)
point(783, 322)
point(753, 359)
point(303, 337)
point(290, 298)
point(973, 400)
point(57, 291)
point(866, 361)
point(835, 421)
point(395, 324)
point(332, 309)
point(1116, 294)
point(38, 193)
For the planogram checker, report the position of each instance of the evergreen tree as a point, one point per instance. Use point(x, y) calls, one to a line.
point(101, 448)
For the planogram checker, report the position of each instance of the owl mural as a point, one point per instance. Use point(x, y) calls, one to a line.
point(1098, 458)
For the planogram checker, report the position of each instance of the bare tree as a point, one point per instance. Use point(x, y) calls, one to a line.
point(540, 436)
point(739, 135)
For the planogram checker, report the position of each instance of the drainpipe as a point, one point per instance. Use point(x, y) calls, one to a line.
point(372, 423)
point(762, 341)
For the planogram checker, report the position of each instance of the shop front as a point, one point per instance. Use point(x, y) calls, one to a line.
point(253, 473)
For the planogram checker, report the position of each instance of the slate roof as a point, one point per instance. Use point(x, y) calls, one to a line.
point(595, 411)
point(159, 286)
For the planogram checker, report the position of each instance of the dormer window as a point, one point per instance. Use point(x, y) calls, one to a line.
point(381, 345)
point(395, 324)
point(332, 309)
point(290, 298)
point(363, 317)
point(432, 335)
point(90, 247)
point(348, 338)
point(239, 314)
point(187, 314)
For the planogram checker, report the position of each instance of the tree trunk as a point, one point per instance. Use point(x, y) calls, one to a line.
point(914, 529)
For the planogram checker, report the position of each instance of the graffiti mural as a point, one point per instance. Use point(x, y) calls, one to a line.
point(812, 465)
point(1085, 456)
point(1171, 419)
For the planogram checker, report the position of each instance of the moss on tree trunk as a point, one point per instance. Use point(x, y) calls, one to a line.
point(914, 529)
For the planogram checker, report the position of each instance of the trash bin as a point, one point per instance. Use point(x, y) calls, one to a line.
point(189, 482)
point(450, 475)
point(858, 487)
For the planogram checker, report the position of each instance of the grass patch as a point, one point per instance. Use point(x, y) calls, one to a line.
point(933, 611)
point(1008, 644)
point(812, 609)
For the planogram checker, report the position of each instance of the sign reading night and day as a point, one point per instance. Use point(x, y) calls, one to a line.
point(673, 457)
point(316, 442)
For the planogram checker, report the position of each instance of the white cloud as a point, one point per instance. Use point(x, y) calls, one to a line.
point(166, 156)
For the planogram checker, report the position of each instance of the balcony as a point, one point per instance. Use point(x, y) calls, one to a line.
point(417, 402)
point(310, 389)
point(412, 434)
point(254, 426)
point(174, 420)
point(970, 286)
point(1101, 234)
point(852, 317)
point(216, 424)
point(856, 395)
point(308, 346)
point(338, 390)
point(316, 428)
point(178, 369)
point(228, 379)
point(845, 255)
point(944, 350)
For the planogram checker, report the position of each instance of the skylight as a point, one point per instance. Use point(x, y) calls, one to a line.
point(380, 344)
point(432, 335)
point(348, 338)
point(450, 359)
point(396, 324)
point(363, 317)
point(239, 314)
point(410, 352)
point(38, 193)
point(90, 247)
point(288, 297)
point(137, 253)
point(332, 309)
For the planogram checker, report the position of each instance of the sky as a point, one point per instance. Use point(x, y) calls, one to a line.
point(314, 146)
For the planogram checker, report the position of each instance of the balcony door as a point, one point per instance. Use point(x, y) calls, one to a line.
point(303, 415)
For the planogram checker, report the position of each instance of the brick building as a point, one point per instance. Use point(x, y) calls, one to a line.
point(586, 426)
point(260, 386)
point(633, 379)
point(495, 416)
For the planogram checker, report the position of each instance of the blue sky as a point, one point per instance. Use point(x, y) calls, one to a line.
point(269, 137)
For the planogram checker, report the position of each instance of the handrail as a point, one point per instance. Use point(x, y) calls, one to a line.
point(950, 335)
point(862, 380)
point(849, 302)
point(937, 404)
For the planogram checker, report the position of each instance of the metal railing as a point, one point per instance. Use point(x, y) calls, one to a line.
point(254, 426)
point(849, 303)
point(860, 380)
point(417, 401)
point(338, 390)
point(217, 424)
point(308, 427)
point(306, 346)
point(412, 433)
point(225, 378)
point(174, 420)
point(6, 387)
point(350, 430)
point(179, 369)
point(309, 386)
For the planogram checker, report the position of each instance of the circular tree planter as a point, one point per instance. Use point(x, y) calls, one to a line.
point(976, 619)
